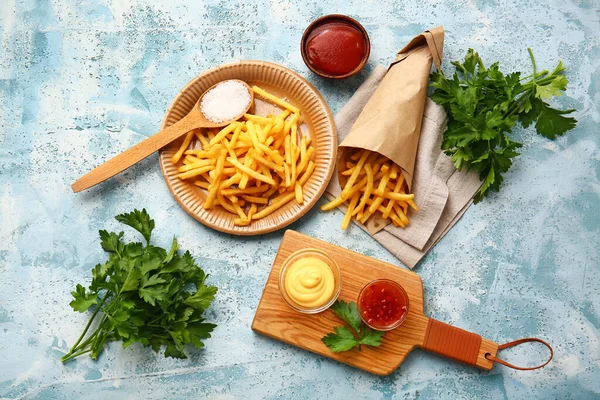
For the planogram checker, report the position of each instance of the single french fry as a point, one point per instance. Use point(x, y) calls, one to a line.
point(203, 185)
point(242, 221)
point(254, 137)
point(203, 142)
point(350, 211)
point(229, 171)
point(230, 149)
point(277, 203)
point(356, 156)
point(299, 194)
point(391, 202)
point(195, 172)
point(365, 217)
point(207, 177)
point(271, 191)
point(268, 163)
point(250, 172)
point(225, 204)
point(183, 147)
point(382, 186)
point(233, 180)
point(266, 131)
point(286, 171)
point(236, 135)
point(233, 199)
point(303, 149)
point(395, 196)
point(245, 177)
point(306, 175)
point(293, 168)
point(282, 103)
point(368, 187)
point(354, 176)
point(273, 154)
point(252, 211)
point(255, 199)
point(214, 187)
point(412, 204)
point(359, 211)
point(248, 190)
point(203, 153)
point(239, 211)
point(223, 133)
point(258, 119)
point(400, 214)
point(259, 133)
point(288, 154)
point(199, 164)
point(304, 163)
point(396, 220)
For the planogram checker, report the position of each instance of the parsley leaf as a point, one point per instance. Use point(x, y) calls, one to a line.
point(348, 312)
point(138, 220)
point(484, 105)
point(345, 338)
point(371, 337)
point(342, 340)
point(83, 300)
point(143, 294)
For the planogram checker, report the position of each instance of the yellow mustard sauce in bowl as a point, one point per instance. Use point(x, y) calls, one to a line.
point(310, 281)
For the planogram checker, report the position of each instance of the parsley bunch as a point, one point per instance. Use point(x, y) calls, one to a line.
point(143, 294)
point(355, 334)
point(484, 104)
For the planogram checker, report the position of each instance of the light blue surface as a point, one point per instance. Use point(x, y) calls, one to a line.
point(82, 80)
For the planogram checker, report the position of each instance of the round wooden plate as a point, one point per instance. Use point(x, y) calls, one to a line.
point(318, 124)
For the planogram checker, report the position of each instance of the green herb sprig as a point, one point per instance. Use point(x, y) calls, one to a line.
point(143, 294)
point(484, 104)
point(355, 334)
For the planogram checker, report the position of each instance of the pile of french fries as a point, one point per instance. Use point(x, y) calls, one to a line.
point(251, 167)
point(375, 185)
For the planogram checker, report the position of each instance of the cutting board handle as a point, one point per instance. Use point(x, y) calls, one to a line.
point(459, 344)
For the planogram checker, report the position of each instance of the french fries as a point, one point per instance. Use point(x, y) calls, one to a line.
point(376, 186)
point(251, 167)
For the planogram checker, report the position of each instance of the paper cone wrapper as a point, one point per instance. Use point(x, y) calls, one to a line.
point(390, 123)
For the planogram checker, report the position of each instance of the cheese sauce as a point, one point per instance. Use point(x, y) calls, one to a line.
point(309, 282)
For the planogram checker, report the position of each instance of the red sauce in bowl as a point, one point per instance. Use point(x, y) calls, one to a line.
point(383, 304)
point(335, 48)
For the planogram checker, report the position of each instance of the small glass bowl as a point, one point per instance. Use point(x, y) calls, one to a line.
point(401, 293)
point(326, 20)
point(321, 255)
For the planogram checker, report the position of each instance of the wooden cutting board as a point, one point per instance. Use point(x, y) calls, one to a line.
point(276, 319)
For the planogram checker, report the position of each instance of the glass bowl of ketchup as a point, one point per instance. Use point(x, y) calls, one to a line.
point(335, 46)
point(383, 304)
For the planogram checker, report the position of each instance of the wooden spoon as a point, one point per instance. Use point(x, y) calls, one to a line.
point(194, 120)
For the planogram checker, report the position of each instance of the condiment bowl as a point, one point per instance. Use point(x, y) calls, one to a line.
point(320, 255)
point(325, 20)
point(403, 297)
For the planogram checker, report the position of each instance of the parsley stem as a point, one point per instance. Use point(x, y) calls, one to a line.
point(64, 359)
point(88, 325)
point(92, 336)
point(515, 106)
point(532, 61)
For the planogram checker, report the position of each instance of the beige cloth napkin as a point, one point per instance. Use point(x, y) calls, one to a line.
point(442, 193)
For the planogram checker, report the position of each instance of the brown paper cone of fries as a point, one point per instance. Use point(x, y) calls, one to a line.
point(390, 123)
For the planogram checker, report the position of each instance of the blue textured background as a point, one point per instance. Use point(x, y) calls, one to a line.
point(82, 80)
